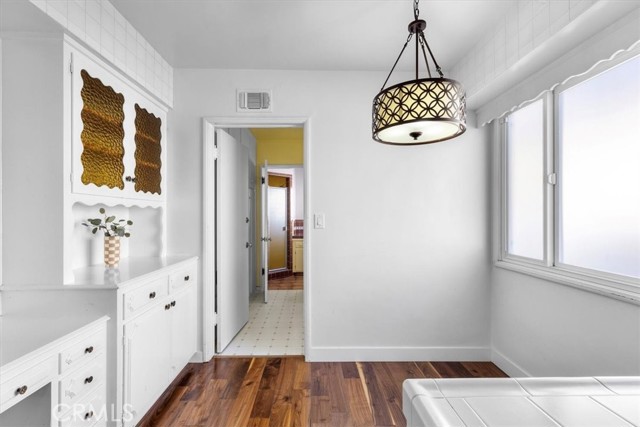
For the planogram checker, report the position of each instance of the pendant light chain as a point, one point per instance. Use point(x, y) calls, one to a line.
point(416, 10)
point(397, 59)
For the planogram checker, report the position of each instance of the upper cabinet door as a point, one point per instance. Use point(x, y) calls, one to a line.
point(118, 135)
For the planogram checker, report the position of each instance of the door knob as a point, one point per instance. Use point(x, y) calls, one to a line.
point(248, 245)
point(246, 220)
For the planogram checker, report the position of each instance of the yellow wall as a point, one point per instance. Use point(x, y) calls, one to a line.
point(279, 146)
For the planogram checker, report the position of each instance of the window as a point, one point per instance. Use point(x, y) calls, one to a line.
point(525, 182)
point(571, 182)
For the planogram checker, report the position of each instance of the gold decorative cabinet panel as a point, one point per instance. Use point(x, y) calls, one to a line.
point(117, 134)
point(102, 134)
point(148, 151)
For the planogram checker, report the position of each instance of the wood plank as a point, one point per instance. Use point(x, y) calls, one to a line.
point(235, 375)
point(349, 370)
point(427, 369)
point(282, 410)
point(378, 400)
point(243, 403)
point(320, 415)
point(452, 370)
point(484, 369)
point(359, 410)
point(266, 391)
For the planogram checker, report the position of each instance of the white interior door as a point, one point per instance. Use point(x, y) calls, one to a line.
point(265, 230)
point(232, 264)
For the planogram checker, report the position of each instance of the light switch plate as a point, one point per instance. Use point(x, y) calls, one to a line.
point(318, 220)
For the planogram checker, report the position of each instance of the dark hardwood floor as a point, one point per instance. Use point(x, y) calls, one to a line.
point(287, 391)
point(290, 283)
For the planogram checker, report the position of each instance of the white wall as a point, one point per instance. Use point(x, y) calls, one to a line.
point(542, 328)
point(401, 270)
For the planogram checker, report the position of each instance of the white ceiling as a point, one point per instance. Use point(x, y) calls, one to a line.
point(306, 34)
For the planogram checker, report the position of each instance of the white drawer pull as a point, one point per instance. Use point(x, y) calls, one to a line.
point(88, 380)
point(186, 278)
point(88, 350)
point(88, 415)
point(21, 390)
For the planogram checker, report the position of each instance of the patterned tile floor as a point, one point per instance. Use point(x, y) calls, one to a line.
point(274, 329)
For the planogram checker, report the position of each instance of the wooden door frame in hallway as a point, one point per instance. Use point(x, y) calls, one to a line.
point(209, 125)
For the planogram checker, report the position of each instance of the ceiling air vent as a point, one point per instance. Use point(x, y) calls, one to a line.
point(254, 100)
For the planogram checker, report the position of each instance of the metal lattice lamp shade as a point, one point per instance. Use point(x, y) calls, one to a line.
point(420, 111)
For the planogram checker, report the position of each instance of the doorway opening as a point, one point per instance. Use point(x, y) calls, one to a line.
point(277, 286)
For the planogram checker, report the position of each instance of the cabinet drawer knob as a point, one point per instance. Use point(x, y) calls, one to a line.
point(167, 306)
point(130, 179)
point(173, 303)
point(21, 390)
point(88, 380)
point(88, 350)
point(152, 295)
point(186, 278)
point(88, 415)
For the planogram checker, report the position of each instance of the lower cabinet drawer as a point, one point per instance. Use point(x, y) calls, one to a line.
point(82, 351)
point(17, 388)
point(183, 277)
point(136, 300)
point(79, 384)
point(88, 412)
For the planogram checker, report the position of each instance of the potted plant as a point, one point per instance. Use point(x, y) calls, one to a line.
point(113, 230)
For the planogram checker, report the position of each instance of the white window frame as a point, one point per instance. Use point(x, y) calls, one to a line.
point(608, 284)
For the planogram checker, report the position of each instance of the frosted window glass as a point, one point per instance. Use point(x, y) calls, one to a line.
point(599, 180)
point(525, 183)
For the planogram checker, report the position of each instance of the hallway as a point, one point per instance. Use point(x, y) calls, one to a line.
point(275, 328)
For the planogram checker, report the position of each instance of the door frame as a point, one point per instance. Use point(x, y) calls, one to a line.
point(209, 184)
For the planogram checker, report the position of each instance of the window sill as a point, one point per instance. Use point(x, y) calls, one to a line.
point(622, 291)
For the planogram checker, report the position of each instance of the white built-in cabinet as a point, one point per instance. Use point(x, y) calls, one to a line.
point(158, 344)
point(49, 258)
point(46, 142)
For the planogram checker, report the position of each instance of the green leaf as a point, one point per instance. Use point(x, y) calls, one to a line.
point(110, 219)
point(95, 221)
point(94, 230)
point(120, 232)
point(102, 211)
point(127, 234)
point(130, 222)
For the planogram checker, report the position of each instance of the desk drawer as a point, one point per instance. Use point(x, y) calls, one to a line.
point(89, 412)
point(15, 389)
point(78, 384)
point(82, 351)
point(138, 299)
point(183, 277)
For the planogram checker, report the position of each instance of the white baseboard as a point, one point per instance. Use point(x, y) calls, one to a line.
point(198, 357)
point(397, 354)
point(510, 367)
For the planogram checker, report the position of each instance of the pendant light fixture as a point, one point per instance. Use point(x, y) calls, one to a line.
point(420, 111)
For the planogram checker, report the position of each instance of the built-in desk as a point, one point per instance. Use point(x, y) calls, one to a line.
point(152, 304)
point(52, 368)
